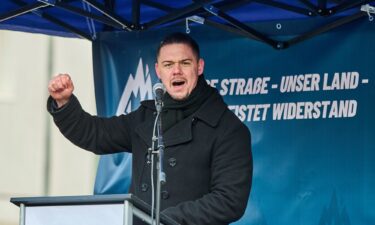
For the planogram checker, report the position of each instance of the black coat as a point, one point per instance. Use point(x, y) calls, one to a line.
point(207, 158)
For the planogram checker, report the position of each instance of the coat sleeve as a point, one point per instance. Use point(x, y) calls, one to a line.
point(231, 176)
point(98, 135)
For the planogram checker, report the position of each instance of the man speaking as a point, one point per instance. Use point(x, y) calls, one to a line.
point(207, 155)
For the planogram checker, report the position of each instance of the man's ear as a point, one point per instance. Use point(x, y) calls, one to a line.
point(200, 66)
point(157, 70)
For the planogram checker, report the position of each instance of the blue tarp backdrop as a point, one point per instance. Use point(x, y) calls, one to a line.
point(309, 108)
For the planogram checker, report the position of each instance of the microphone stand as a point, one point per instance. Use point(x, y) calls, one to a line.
point(160, 175)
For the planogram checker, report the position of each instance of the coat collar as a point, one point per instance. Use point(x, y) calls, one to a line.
point(210, 113)
point(212, 110)
point(178, 134)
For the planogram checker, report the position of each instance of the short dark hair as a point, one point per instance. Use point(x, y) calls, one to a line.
point(179, 38)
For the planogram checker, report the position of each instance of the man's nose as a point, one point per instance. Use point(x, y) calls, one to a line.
point(177, 68)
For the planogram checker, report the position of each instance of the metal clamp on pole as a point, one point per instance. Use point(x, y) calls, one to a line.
point(370, 10)
point(196, 19)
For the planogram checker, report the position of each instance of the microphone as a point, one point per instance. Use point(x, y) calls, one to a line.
point(158, 90)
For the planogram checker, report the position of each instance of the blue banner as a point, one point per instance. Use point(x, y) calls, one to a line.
point(309, 108)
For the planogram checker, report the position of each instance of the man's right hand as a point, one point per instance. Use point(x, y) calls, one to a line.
point(61, 88)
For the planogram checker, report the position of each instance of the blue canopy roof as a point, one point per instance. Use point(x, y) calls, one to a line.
point(86, 18)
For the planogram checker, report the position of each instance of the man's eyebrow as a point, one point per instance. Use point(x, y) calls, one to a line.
point(171, 61)
point(167, 61)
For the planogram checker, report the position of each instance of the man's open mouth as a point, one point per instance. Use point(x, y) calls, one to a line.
point(178, 83)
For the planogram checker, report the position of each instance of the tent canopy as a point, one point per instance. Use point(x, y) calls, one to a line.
point(86, 18)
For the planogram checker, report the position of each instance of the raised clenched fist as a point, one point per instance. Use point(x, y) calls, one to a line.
point(61, 88)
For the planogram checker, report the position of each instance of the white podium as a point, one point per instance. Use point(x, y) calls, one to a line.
point(85, 210)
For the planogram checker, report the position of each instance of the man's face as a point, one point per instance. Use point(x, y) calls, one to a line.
point(178, 68)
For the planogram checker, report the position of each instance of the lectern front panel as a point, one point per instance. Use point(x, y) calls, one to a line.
point(75, 215)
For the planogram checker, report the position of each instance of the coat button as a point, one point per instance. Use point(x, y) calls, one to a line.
point(144, 187)
point(164, 195)
point(194, 120)
point(172, 162)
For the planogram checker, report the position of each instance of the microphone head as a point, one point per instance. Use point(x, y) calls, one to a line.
point(158, 90)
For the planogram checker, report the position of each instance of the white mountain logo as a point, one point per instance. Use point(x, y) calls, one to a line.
point(137, 89)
